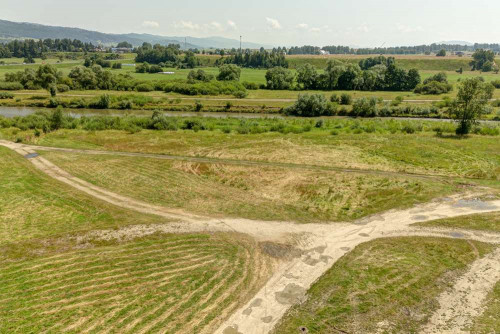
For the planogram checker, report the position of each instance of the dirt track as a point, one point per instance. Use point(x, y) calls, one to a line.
point(317, 246)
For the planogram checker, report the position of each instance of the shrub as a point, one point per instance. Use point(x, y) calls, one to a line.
point(433, 88)
point(198, 106)
point(199, 75)
point(62, 88)
point(229, 72)
point(11, 86)
point(250, 85)
point(345, 99)
point(144, 88)
point(116, 66)
point(365, 107)
point(102, 102)
point(155, 69)
point(496, 83)
point(279, 78)
point(310, 106)
point(6, 95)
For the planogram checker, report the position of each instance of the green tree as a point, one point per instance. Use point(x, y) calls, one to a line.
point(307, 77)
point(470, 103)
point(441, 53)
point(310, 106)
point(279, 78)
point(229, 72)
point(124, 45)
point(480, 58)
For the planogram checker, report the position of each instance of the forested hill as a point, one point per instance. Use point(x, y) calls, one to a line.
point(14, 30)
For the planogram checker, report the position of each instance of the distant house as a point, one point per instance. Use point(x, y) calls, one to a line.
point(121, 50)
point(324, 53)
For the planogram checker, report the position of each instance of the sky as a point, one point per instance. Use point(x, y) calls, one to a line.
point(361, 23)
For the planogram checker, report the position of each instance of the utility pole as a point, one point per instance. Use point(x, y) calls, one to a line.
point(240, 43)
point(185, 43)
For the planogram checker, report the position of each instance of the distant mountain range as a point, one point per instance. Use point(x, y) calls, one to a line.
point(457, 43)
point(22, 30)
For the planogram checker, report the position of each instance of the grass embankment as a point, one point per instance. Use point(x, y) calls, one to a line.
point(366, 144)
point(482, 222)
point(386, 285)
point(267, 193)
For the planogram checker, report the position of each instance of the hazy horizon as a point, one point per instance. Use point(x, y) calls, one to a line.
point(364, 24)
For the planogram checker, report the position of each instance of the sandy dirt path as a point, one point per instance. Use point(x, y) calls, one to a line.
point(464, 301)
point(316, 246)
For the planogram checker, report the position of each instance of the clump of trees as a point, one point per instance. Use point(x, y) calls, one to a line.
point(169, 56)
point(371, 74)
point(146, 68)
point(483, 60)
point(229, 72)
point(434, 85)
point(470, 104)
point(256, 59)
point(311, 105)
point(199, 75)
point(279, 78)
point(441, 53)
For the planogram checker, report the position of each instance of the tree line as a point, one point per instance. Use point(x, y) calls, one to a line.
point(31, 48)
point(256, 59)
point(399, 50)
point(370, 74)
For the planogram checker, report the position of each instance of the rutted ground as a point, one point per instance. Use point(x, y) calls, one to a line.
point(184, 283)
point(316, 246)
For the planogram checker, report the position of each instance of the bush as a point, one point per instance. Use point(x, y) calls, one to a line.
point(433, 88)
point(199, 75)
point(229, 72)
point(205, 88)
point(155, 69)
point(102, 102)
point(334, 98)
point(11, 86)
point(250, 85)
point(62, 88)
point(279, 78)
point(496, 83)
point(6, 95)
point(144, 88)
point(365, 107)
point(310, 106)
point(345, 99)
point(116, 66)
point(198, 106)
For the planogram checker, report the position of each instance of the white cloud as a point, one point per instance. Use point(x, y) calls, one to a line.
point(150, 24)
point(409, 29)
point(186, 25)
point(364, 28)
point(303, 26)
point(273, 23)
point(232, 25)
point(216, 25)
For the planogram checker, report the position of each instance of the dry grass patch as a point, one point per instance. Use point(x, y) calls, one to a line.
point(267, 193)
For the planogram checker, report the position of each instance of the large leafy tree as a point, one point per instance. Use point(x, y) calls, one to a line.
point(279, 78)
point(472, 98)
point(483, 60)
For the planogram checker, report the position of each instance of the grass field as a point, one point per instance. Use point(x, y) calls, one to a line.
point(59, 275)
point(489, 322)
point(34, 206)
point(263, 193)
point(422, 152)
point(186, 282)
point(386, 285)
